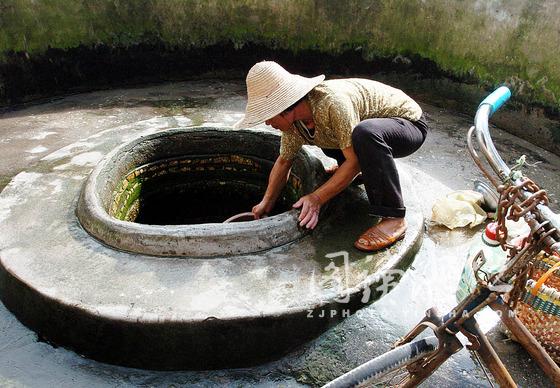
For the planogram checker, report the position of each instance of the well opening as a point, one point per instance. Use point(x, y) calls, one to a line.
point(168, 194)
point(197, 189)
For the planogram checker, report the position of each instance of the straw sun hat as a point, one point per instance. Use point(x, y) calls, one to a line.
point(270, 90)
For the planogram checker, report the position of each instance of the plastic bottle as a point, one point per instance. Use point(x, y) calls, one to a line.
point(495, 257)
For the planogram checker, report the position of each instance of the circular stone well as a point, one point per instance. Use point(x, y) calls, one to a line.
point(167, 194)
point(110, 299)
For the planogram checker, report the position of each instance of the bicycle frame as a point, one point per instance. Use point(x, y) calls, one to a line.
point(544, 224)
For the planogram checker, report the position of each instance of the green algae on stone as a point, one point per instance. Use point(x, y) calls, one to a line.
point(515, 41)
point(4, 180)
point(180, 106)
point(324, 361)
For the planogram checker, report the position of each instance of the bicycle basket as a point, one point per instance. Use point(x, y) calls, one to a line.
point(539, 305)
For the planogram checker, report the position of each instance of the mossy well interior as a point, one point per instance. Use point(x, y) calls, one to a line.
point(197, 189)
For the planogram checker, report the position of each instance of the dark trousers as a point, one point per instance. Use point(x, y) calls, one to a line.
point(376, 142)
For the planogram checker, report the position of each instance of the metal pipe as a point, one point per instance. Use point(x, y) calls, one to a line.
point(477, 159)
point(486, 143)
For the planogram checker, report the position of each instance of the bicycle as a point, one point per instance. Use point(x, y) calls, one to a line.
point(414, 359)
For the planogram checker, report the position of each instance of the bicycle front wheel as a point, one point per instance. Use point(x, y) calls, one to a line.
point(388, 369)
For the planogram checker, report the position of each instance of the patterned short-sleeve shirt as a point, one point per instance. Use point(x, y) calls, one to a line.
point(339, 105)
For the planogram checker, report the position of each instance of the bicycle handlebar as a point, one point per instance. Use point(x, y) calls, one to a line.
point(485, 110)
point(498, 98)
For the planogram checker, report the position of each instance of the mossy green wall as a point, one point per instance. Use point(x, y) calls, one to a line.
point(486, 41)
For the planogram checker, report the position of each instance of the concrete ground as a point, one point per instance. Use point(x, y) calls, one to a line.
point(31, 133)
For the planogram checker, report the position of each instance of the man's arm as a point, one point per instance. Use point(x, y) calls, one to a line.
point(341, 178)
point(311, 203)
point(276, 182)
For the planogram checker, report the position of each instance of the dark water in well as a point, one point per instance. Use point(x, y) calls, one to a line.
point(207, 201)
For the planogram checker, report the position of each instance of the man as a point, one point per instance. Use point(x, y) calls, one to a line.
point(362, 123)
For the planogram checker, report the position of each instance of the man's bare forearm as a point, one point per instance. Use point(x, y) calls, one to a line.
point(277, 180)
point(342, 177)
point(339, 181)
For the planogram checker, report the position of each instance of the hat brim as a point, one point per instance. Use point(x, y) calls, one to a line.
point(261, 109)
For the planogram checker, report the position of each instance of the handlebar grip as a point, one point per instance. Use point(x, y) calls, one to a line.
point(497, 99)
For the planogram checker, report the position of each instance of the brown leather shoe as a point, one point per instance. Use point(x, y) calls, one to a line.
point(382, 235)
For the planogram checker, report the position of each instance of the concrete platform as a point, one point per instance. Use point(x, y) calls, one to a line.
point(179, 313)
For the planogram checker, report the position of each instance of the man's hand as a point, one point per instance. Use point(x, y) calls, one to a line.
point(310, 206)
point(276, 182)
point(261, 209)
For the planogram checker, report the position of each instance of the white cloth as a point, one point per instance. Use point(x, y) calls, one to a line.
point(459, 209)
